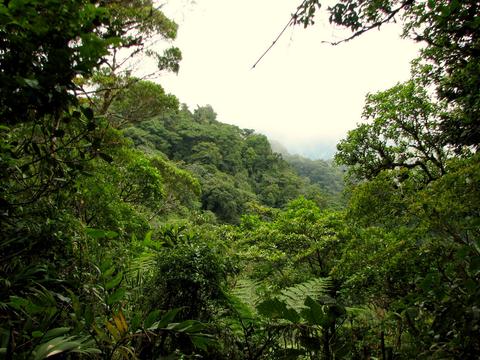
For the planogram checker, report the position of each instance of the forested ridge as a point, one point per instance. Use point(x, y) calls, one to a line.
point(133, 227)
point(236, 167)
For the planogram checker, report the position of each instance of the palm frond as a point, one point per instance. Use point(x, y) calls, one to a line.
point(144, 263)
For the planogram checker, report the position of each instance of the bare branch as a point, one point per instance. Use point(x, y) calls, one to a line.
point(292, 19)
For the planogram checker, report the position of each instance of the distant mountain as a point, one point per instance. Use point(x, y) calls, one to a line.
point(236, 168)
point(278, 147)
point(319, 172)
point(311, 149)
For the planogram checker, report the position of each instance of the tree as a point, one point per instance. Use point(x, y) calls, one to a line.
point(401, 130)
point(206, 153)
point(320, 172)
point(48, 49)
point(138, 25)
point(189, 274)
point(140, 101)
point(204, 114)
point(416, 161)
point(45, 46)
point(49, 136)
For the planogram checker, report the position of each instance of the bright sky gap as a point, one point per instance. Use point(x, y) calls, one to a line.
point(303, 93)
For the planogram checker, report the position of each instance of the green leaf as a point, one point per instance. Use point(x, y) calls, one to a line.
point(314, 313)
point(151, 318)
point(148, 242)
point(277, 309)
point(244, 310)
point(168, 317)
point(33, 83)
point(114, 282)
point(37, 334)
point(111, 234)
point(148, 236)
point(296, 295)
point(135, 321)
point(108, 272)
point(95, 233)
point(116, 296)
point(201, 341)
point(64, 344)
point(53, 333)
point(188, 326)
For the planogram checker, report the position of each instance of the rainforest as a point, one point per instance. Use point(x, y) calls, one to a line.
point(135, 227)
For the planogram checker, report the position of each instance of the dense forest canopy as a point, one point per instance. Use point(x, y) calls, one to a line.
point(134, 227)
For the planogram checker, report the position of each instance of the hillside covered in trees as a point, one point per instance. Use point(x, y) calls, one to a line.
point(236, 168)
point(135, 228)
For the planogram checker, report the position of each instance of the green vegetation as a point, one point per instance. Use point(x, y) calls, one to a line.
point(132, 227)
point(236, 168)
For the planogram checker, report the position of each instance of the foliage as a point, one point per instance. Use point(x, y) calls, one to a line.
point(140, 102)
point(234, 166)
point(300, 240)
point(288, 325)
point(45, 46)
point(114, 202)
point(138, 25)
point(402, 131)
point(328, 177)
point(393, 214)
point(188, 274)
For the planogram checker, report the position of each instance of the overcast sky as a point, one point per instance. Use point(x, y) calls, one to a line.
point(305, 94)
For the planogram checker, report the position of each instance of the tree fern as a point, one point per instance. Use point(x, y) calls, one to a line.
point(247, 291)
point(370, 315)
point(244, 297)
point(296, 295)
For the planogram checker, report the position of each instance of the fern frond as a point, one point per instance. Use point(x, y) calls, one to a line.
point(367, 314)
point(246, 291)
point(244, 298)
point(296, 295)
point(144, 263)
